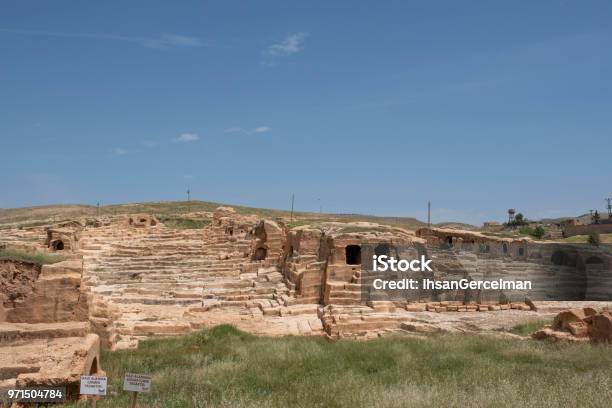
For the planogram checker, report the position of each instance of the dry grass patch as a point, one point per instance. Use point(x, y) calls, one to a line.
point(223, 367)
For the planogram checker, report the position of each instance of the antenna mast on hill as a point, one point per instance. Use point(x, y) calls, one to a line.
point(429, 214)
point(292, 201)
point(609, 200)
point(188, 194)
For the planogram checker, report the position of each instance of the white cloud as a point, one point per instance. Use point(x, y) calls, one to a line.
point(292, 44)
point(233, 130)
point(164, 40)
point(187, 138)
point(150, 143)
point(118, 151)
point(179, 40)
point(262, 129)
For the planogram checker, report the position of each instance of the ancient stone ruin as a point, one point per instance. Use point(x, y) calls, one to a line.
point(585, 324)
point(128, 278)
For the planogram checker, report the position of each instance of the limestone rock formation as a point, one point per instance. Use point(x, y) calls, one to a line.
point(129, 278)
point(579, 324)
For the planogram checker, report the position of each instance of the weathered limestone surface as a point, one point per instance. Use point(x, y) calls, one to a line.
point(132, 278)
point(45, 335)
point(157, 281)
point(35, 294)
point(579, 325)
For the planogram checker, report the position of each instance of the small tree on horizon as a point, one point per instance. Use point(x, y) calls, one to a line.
point(539, 232)
point(594, 239)
point(596, 217)
point(520, 219)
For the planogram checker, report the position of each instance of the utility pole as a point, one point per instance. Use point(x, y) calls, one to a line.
point(609, 200)
point(98, 209)
point(292, 201)
point(429, 214)
point(320, 206)
point(188, 194)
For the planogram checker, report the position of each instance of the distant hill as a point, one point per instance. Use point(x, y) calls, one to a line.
point(29, 216)
point(584, 218)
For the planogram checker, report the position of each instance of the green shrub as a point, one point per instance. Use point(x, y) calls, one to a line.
point(40, 258)
point(594, 239)
point(539, 232)
point(183, 223)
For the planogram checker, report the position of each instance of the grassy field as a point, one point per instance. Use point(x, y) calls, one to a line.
point(183, 223)
point(223, 367)
point(33, 257)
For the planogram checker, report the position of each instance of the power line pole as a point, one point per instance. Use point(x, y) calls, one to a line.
point(98, 209)
point(188, 194)
point(609, 200)
point(429, 214)
point(292, 201)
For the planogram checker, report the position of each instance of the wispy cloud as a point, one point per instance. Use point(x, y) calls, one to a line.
point(119, 151)
point(150, 143)
point(187, 138)
point(234, 130)
point(291, 44)
point(260, 129)
point(162, 41)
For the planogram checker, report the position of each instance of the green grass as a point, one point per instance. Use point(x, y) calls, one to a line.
point(294, 224)
point(583, 239)
point(357, 229)
point(183, 223)
point(223, 367)
point(40, 258)
point(525, 329)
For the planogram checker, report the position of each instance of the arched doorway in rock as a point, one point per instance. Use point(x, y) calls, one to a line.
point(505, 248)
point(594, 260)
point(57, 245)
point(260, 254)
point(385, 249)
point(563, 258)
point(571, 282)
point(353, 254)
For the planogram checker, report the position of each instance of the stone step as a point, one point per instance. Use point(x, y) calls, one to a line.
point(22, 331)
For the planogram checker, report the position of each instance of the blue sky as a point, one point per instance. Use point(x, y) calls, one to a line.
point(477, 106)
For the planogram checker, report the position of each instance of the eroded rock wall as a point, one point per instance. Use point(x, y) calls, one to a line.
point(33, 293)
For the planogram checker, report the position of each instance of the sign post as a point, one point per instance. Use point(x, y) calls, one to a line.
point(93, 385)
point(136, 383)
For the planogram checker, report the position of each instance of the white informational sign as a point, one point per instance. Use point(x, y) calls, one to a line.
point(137, 382)
point(93, 385)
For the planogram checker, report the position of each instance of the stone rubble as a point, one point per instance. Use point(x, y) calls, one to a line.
point(585, 324)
